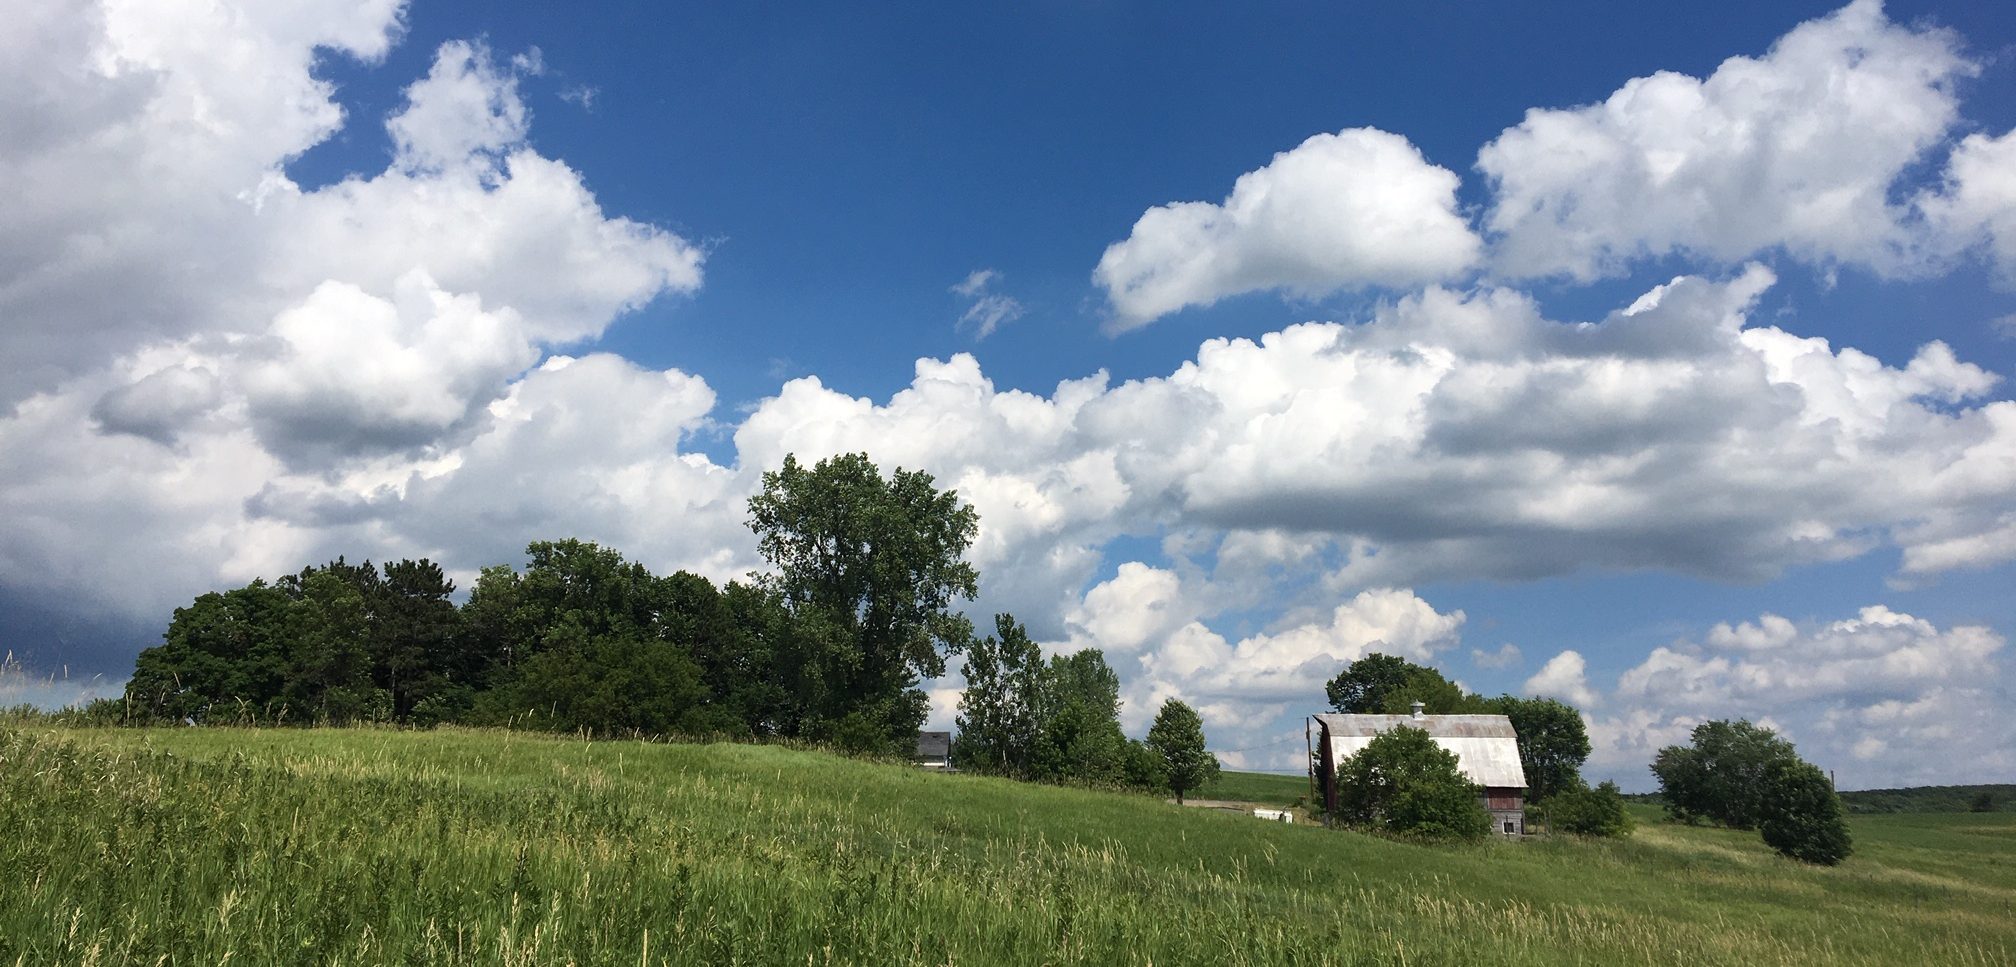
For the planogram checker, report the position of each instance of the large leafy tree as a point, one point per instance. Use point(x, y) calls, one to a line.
point(873, 565)
point(328, 630)
point(1178, 736)
point(224, 655)
point(1402, 782)
point(1363, 686)
point(732, 634)
point(1380, 684)
point(1078, 715)
point(1553, 743)
point(1719, 775)
point(998, 712)
point(590, 640)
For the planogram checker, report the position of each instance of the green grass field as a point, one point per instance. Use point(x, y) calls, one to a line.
point(198, 846)
point(1265, 788)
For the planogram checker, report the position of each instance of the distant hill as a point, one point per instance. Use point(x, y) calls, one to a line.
point(1915, 799)
point(1931, 799)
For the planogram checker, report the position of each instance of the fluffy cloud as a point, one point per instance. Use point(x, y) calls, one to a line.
point(147, 125)
point(134, 127)
point(1977, 204)
point(213, 373)
point(1882, 697)
point(1450, 436)
point(1357, 208)
point(1563, 677)
point(1799, 149)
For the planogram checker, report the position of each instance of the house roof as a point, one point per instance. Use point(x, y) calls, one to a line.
point(934, 744)
point(1486, 747)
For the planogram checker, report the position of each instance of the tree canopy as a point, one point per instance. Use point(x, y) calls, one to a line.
point(1801, 816)
point(1000, 711)
point(1719, 775)
point(1553, 743)
point(1745, 776)
point(1057, 721)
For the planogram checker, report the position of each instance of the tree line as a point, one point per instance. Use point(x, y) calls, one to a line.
point(829, 645)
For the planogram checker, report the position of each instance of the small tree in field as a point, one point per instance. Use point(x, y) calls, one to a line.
point(1402, 782)
point(1802, 815)
point(1584, 811)
point(1178, 735)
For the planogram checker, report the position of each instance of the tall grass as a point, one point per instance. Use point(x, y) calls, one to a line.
point(200, 846)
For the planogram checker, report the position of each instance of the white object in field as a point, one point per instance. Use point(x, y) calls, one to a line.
point(1275, 815)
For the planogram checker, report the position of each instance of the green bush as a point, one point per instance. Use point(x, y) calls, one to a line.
point(1402, 782)
point(1583, 811)
point(1801, 815)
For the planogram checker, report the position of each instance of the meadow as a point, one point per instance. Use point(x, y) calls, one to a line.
point(212, 846)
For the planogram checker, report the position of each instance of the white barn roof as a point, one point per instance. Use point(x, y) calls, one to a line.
point(1486, 748)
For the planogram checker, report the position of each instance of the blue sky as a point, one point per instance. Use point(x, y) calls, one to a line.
point(269, 332)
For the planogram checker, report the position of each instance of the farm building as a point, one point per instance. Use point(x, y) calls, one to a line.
point(1486, 749)
point(934, 750)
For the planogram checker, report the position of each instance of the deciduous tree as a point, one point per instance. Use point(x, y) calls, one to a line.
point(1402, 782)
point(1178, 736)
point(1719, 776)
point(1799, 814)
point(998, 712)
point(1553, 743)
point(877, 564)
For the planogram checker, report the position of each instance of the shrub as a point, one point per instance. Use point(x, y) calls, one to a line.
point(1801, 815)
point(1583, 811)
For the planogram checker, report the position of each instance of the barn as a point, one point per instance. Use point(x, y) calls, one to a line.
point(934, 750)
point(1486, 749)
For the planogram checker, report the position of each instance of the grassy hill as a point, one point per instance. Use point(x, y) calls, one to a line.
point(1265, 788)
point(353, 847)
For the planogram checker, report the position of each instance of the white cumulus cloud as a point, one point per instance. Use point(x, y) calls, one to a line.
point(1357, 208)
point(1798, 150)
point(1884, 697)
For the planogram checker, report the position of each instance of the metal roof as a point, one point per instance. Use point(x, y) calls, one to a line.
point(1486, 747)
point(936, 745)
